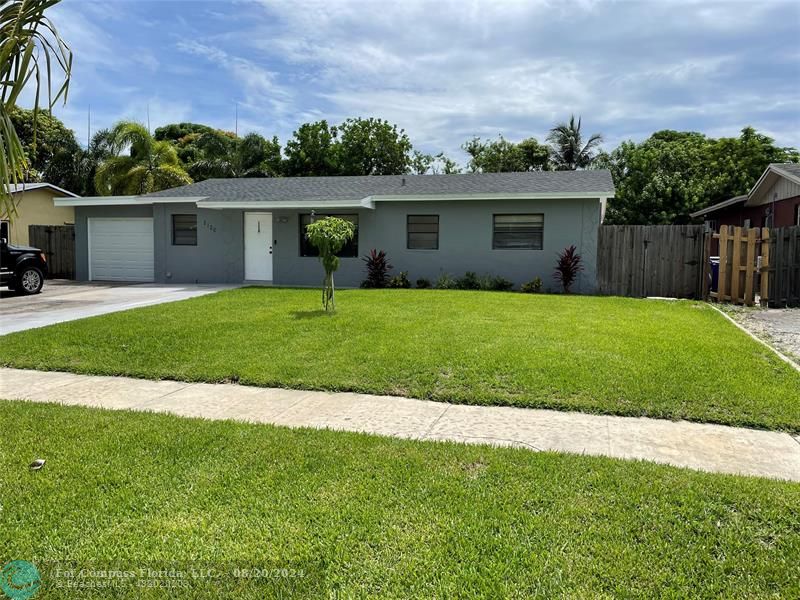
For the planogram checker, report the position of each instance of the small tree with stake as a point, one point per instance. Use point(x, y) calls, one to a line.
point(329, 235)
point(568, 267)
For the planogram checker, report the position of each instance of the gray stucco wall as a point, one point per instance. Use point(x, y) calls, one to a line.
point(465, 242)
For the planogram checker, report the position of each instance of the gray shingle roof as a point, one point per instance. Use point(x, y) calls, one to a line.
point(791, 168)
point(355, 188)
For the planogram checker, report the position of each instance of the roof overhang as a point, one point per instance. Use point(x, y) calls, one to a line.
point(125, 200)
point(718, 206)
point(284, 204)
point(494, 196)
point(768, 178)
point(40, 186)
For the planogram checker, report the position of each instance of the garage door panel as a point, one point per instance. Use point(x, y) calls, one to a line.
point(121, 250)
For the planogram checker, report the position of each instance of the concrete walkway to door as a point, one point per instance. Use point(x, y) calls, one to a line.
point(62, 300)
point(705, 447)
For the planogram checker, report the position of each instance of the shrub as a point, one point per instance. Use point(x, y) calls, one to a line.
point(400, 281)
point(532, 287)
point(496, 283)
point(378, 268)
point(329, 235)
point(446, 282)
point(568, 267)
point(469, 281)
point(423, 283)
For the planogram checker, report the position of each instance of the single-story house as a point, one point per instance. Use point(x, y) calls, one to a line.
point(774, 201)
point(252, 229)
point(35, 206)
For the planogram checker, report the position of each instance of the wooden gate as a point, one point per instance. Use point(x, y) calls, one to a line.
point(650, 260)
point(784, 268)
point(743, 267)
point(58, 244)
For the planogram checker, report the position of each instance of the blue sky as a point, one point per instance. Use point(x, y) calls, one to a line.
point(444, 71)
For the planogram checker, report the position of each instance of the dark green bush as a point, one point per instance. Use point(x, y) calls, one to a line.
point(532, 287)
point(400, 281)
point(496, 283)
point(423, 283)
point(469, 281)
point(446, 282)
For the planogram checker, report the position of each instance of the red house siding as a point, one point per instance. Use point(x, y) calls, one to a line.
point(785, 214)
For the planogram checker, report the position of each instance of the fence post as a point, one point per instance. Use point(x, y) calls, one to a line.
point(765, 266)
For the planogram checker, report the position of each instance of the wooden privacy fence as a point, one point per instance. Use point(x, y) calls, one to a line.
point(784, 267)
point(650, 260)
point(58, 244)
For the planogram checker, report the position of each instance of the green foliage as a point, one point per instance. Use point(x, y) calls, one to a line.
point(469, 281)
point(445, 281)
point(30, 49)
point(54, 141)
point(672, 174)
point(533, 286)
point(496, 283)
point(329, 235)
point(312, 151)
point(423, 283)
point(501, 155)
point(567, 150)
point(149, 166)
point(422, 164)
point(372, 147)
point(400, 281)
point(222, 155)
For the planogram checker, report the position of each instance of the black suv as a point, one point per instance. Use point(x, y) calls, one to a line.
point(22, 268)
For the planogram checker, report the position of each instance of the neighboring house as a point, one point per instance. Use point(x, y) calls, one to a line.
point(34, 202)
point(774, 201)
point(235, 230)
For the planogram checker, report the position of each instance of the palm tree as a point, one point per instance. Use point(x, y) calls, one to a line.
point(225, 155)
point(567, 148)
point(29, 47)
point(149, 166)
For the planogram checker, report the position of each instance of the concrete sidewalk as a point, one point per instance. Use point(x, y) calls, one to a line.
point(698, 446)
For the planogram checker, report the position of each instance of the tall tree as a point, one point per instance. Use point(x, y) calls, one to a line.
point(373, 147)
point(30, 47)
point(674, 173)
point(567, 149)
point(503, 156)
point(184, 136)
point(149, 166)
point(224, 155)
point(312, 151)
point(43, 138)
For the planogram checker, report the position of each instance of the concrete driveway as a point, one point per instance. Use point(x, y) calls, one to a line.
point(62, 300)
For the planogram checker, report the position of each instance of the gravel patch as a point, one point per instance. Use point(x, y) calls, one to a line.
point(779, 327)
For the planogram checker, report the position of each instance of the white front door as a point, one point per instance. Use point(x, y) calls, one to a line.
point(258, 246)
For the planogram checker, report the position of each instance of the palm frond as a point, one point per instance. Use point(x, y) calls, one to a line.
point(30, 48)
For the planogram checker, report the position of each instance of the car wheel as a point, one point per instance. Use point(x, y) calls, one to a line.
point(30, 281)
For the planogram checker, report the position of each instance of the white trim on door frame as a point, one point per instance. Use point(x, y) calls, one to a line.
point(269, 257)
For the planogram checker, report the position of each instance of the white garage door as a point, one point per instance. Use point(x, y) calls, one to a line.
point(121, 249)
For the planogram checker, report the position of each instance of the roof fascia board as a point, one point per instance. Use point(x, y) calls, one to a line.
point(125, 200)
point(279, 204)
point(41, 186)
point(493, 196)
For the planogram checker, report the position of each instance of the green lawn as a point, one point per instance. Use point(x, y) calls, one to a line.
point(377, 516)
point(611, 355)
